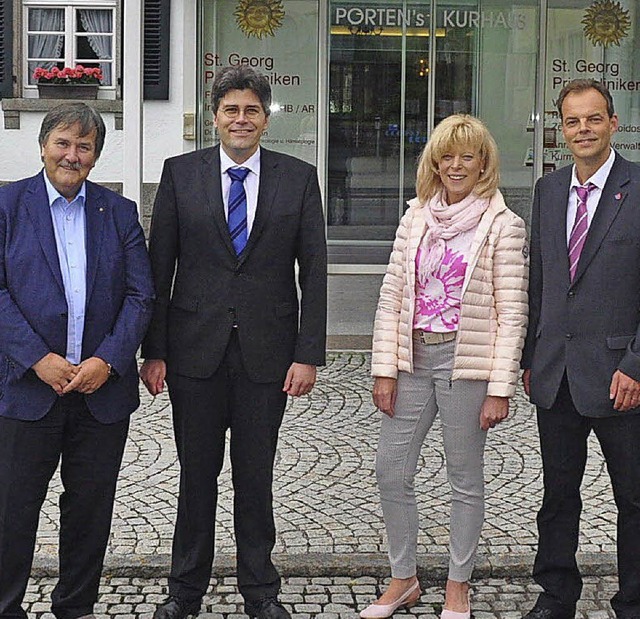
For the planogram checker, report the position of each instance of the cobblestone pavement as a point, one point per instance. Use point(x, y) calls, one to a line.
point(326, 501)
point(324, 598)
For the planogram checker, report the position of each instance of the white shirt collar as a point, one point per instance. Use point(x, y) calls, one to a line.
point(600, 177)
point(252, 164)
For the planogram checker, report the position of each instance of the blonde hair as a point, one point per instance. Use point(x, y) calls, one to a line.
point(458, 131)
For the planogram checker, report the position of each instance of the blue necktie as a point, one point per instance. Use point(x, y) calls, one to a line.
point(237, 217)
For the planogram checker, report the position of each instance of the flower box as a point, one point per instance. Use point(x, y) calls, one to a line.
point(68, 91)
point(68, 83)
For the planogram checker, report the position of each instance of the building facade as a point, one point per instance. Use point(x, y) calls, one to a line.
point(358, 86)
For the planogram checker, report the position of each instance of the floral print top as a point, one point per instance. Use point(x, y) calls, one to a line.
point(438, 297)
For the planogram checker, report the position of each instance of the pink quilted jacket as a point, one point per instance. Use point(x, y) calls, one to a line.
point(493, 316)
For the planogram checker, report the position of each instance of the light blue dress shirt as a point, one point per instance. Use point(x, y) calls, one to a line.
point(69, 229)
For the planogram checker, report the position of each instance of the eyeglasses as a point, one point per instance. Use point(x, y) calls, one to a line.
point(233, 111)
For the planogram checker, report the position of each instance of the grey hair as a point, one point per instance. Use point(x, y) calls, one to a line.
point(240, 77)
point(66, 115)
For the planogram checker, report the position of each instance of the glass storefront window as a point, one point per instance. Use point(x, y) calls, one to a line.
point(395, 68)
point(594, 40)
point(504, 86)
point(394, 73)
point(279, 39)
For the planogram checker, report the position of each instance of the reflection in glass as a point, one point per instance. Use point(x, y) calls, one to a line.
point(371, 49)
point(380, 103)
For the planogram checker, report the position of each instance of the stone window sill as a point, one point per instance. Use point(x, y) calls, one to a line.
point(13, 107)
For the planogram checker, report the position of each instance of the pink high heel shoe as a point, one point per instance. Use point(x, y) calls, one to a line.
point(452, 614)
point(382, 611)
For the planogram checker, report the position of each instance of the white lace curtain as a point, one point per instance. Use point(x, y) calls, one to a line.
point(45, 45)
point(99, 21)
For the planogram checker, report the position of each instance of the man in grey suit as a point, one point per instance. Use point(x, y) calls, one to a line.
point(229, 335)
point(582, 352)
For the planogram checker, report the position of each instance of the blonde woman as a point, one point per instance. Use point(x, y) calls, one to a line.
point(447, 341)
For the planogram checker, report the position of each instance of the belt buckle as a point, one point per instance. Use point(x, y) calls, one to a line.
point(430, 338)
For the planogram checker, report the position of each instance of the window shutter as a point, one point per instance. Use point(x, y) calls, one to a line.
point(156, 48)
point(6, 48)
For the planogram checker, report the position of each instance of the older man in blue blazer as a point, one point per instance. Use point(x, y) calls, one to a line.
point(582, 352)
point(75, 300)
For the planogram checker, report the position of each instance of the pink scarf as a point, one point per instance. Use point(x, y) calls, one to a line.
point(444, 221)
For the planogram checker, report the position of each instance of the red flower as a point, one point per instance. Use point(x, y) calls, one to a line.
point(68, 75)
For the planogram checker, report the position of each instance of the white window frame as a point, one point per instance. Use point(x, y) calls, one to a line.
point(70, 6)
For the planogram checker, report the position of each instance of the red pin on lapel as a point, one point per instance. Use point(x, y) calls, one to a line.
point(618, 196)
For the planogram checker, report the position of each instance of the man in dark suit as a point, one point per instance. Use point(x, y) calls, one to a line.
point(582, 352)
point(75, 300)
point(229, 334)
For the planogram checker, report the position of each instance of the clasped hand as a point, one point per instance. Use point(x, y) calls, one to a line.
point(64, 377)
point(494, 410)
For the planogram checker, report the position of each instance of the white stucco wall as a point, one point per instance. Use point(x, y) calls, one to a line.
point(163, 120)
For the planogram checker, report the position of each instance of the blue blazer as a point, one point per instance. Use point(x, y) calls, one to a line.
point(33, 308)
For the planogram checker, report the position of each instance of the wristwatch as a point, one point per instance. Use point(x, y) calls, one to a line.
point(112, 372)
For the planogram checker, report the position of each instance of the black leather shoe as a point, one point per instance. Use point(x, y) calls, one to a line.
point(267, 608)
point(175, 608)
point(548, 613)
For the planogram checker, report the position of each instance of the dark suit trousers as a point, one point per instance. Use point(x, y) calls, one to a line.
point(563, 441)
point(203, 409)
point(91, 454)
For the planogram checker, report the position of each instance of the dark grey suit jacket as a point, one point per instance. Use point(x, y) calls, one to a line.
point(588, 328)
point(202, 286)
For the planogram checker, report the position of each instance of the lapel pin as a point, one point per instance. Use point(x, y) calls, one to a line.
point(101, 209)
point(618, 196)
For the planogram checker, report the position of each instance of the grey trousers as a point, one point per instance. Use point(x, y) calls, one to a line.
point(422, 395)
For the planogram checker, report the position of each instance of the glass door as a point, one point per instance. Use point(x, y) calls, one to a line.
point(378, 85)
point(396, 70)
point(378, 114)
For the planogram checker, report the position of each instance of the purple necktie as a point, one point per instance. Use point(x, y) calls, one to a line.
point(579, 230)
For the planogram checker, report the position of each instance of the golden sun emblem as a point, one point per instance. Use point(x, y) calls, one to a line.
point(259, 18)
point(606, 23)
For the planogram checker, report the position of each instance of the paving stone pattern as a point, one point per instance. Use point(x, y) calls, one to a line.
point(323, 598)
